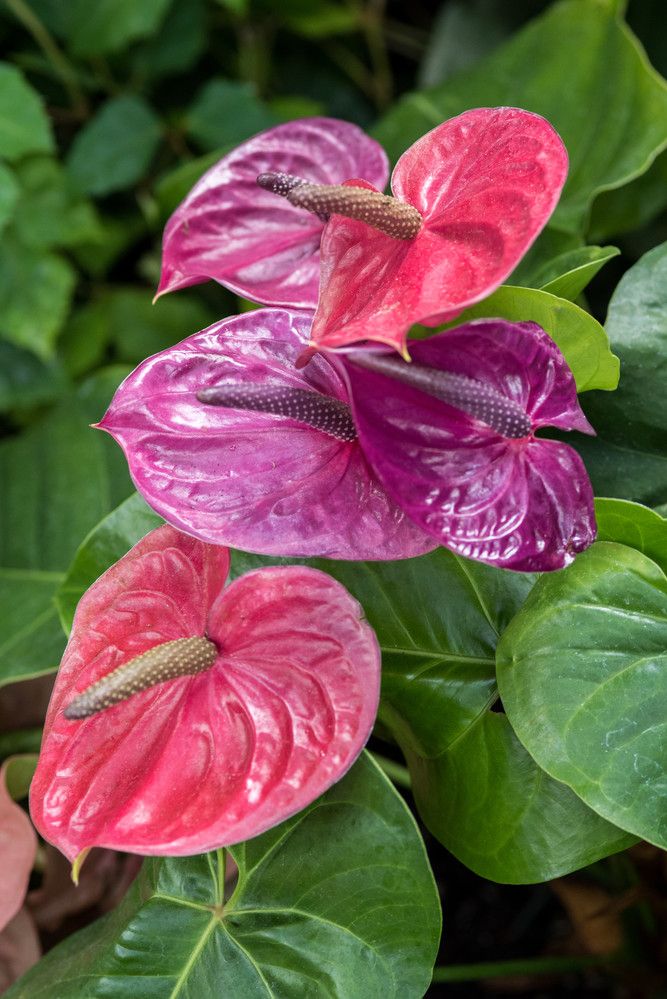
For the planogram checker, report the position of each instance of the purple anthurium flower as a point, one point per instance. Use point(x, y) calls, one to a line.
point(260, 246)
point(361, 455)
point(279, 469)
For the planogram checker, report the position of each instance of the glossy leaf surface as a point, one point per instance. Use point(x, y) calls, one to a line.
point(582, 678)
point(297, 921)
point(209, 759)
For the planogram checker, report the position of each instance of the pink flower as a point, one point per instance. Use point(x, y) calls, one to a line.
point(484, 185)
point(18, 846)
point(361, 455)
point(250, 241)
point(247, 703)
point(264, 481)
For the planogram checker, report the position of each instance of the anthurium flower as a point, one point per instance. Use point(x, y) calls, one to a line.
point(187, 715)
point(244, 237)
point(361, 455)
point(469, 198)
point(18, 846)
point(282, 474)
point(452, 437)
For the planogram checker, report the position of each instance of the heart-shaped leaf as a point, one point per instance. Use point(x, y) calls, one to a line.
point(583, 676)
point(337, 901)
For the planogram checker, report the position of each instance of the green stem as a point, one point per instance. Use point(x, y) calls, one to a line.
point(396, 772)
point(62, 66)
point(521, 966)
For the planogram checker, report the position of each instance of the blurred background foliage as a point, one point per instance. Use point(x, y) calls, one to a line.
point(111, 109)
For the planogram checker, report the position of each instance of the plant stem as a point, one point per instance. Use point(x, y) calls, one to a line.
point(520, 966)
point(61, 64)
point(396, 772)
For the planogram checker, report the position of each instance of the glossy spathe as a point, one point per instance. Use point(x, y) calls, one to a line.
point(202, 761)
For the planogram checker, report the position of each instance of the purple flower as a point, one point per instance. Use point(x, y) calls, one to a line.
point(249, 240)
point(279, 468)
point(361, 455)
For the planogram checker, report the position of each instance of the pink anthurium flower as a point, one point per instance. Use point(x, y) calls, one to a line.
point(187, 715)
point(481, 188)
point(18, 846)
point(244, 237)
point(283, 474)
point(361, 455)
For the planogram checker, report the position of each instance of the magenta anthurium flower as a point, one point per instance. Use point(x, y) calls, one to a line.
point(451, 435)
point(361, 455)
point(289, 478)
point(260, 246)
point(188, 715)
point(482, 187)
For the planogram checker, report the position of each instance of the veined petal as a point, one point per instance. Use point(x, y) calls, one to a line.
point(251, 241)
point(202, 761)
point(523, 504)
point(253, 480)
point(485, 183)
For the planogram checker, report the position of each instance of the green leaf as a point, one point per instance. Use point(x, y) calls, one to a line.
point(567, 275)
point(628, 460)
point(9, 193)
point(501, 815)
point(50, 212)
point(97, 27)
point(35, 293)
point(612, 114)
point(24, 127)
point(225, 113)
point(56, 481)
point(632, 206)
point(324, 20)
point(26, 381)
point(339, 901)
point(582, 671)
point(580, 337)
point(114, 149)
point(105, 544)
point(178, 44)
point(633, 525)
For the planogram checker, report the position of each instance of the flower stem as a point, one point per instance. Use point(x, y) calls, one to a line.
point(521, 966)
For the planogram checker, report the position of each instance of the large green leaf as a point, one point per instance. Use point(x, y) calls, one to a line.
point(503, 816)
point(9, 193)
point(339, 901)
point(35, 293)
point(56, 481)
point(633, 525)
point(96, 27)
point(629, 458)
point(114, 149)
point(580, 337)
point(583, 676)
point(24, 127)
point(568, 274)
point(611, 111)
point(25, 381)
point(50, 212)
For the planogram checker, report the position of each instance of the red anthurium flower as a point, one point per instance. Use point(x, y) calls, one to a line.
point(244, 237)
point(187, 715)
point(361, 455)
point(482, 186)
point(18, 846)
point(282, 474)
point(451, 435)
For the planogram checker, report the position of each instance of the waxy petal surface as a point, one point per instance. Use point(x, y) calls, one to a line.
point(252, 480)
point(250, 240)
point(18, 846)
point(203, 761)
point(523, 504)
point(485, 184)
